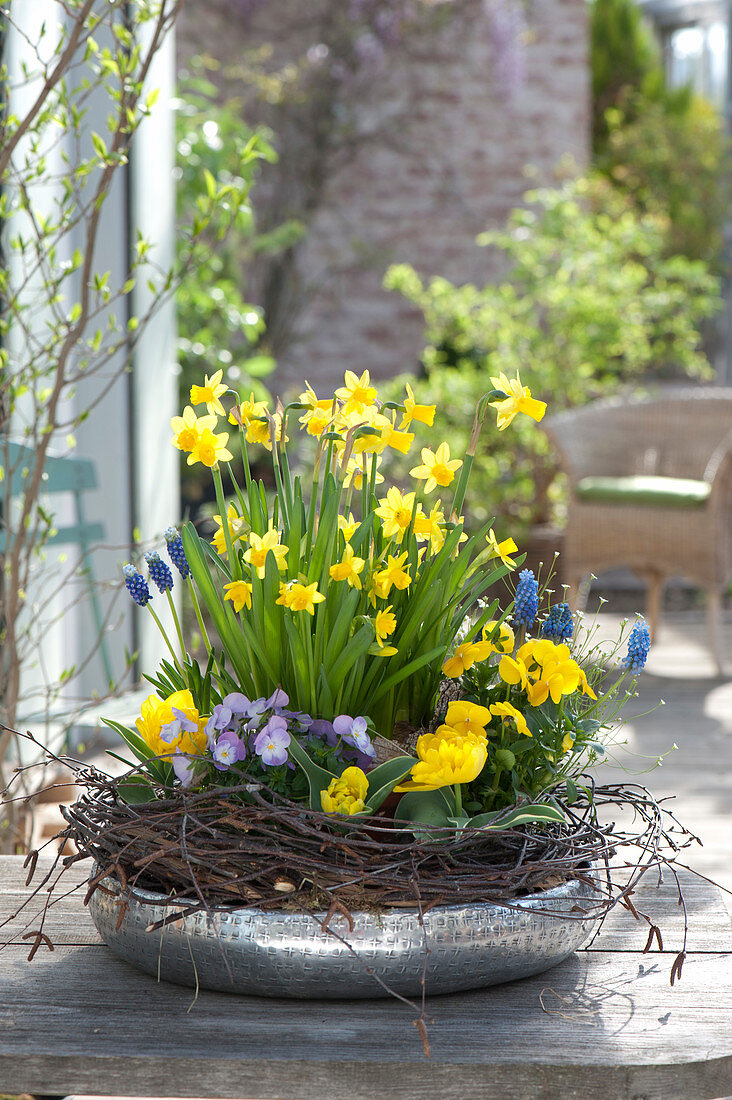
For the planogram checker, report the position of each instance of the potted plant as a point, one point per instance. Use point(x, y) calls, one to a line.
point(375, 781)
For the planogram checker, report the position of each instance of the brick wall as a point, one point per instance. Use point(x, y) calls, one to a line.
point(448, 161)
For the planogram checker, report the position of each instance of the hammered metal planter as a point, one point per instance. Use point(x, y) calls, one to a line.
point(281, 954)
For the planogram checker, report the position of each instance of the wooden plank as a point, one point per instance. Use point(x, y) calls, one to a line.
point(77, 1018)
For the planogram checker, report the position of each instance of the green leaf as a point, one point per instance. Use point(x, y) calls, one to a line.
point(426, 807)
point(136, 790)
point(318, 778)
point(531, 813)
point(383, 778)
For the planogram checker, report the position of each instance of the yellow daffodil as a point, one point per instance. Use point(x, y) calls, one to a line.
point(425, 414)
point(260, 431)
point(347, 526)
point(395, 512)
point(260, 546)
point(465, 657)
point(518, 399)
point(430, 527)
point(188, 428)
point(469, 719)
point(210, 449)
point(348, 568)
point(501, 550)
point(346, 795)
point(300, 597)
point(240, 593)
point(238, 528)
point(505, 641)
point(507, 711)
point(446, 761)
point(354, 474)
point(244, 413)
point(318, 414)
point(396, 439)
point(163, 730)
point(357, 393)
point(394, 574)
point(437, 467)
point(210, 392)
point(384, 625)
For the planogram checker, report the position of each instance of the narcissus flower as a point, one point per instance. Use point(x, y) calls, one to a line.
point(354, 474)
point(425, 414)
point(210, 449)
point(346, 795)
point(393, 574)
point(347, 526)
point(300, 597)
point(238, 528)
point(210, 392)
point(518, 399)
point(437, 467)
point(395, 511)
point(430, 527)
point(188, 428)
point(348, 568)
point(248, 410)
point(501, 550)
point(357, 393)
point(240, 594)
point(384, 625)
point(396, 439)
point(507, 711)
point(260, 431)
point(260, 546)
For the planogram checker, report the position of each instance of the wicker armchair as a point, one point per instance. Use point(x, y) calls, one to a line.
point(651, 490)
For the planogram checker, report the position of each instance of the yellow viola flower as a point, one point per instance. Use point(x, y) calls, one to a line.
point(446, 761)
point(425, 414)
point(512, 671)
point(501, 550)
point(244, 413)
point(210, 449)
point(348, 568)
point(188, 428)
point(505, 641)
point(567, 742)
point(465, 657)
point(437, 467)
point(164, 724)
point(518, 399)
point(260, 546)
point(469, 719)
point(346, 795)
point(348, 526)
point(395, 512)
point(583, 683)
point(300, 597)
point(394, 574)
point(238, 528)
point(357, 393)
point(384, 625)
point(210, 392)
point(240, 593)
point(507, 711)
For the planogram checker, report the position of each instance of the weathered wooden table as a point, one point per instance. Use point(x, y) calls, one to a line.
point(606, 1024)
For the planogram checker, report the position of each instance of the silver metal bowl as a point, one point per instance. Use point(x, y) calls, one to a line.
point(282, 954)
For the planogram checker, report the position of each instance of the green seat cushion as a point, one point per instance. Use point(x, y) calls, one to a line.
point(666, 492)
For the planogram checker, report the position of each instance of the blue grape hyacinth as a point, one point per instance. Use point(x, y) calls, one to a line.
point(558, 624)
point(159, 572)
point(526, 600)
point(136, 585)
point(177, 553)
point(639, 643)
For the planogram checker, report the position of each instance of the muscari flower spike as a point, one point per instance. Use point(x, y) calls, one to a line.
point(136, 585)
point(526, 601)
point(159, 571)
point(558, 624)
point(639, 643)
point(176, 551)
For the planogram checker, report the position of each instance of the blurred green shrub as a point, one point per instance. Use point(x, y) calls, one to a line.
point(591, 301)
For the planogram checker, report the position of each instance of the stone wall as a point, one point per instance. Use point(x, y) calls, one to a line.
point(448, 159)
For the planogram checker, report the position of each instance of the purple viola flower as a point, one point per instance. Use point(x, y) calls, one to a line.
point(353, 731)
point(271, 742)
point(183, 767)
point(221, 717)
point(278, 698)
point(322, 728)
point(180, 724)
point(237, 703)
point(228, 750)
